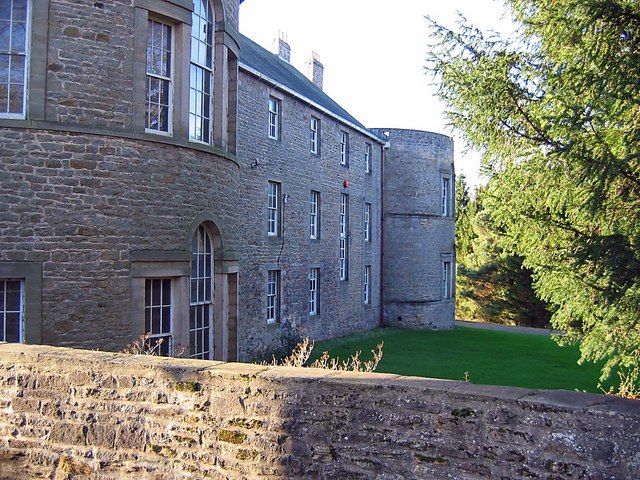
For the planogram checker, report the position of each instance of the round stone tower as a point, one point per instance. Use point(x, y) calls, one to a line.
point(418, 229)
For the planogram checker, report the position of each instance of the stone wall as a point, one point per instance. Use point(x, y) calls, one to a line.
point(290, 162)
point(68, 414)
point(417, 237)
point(79, 206)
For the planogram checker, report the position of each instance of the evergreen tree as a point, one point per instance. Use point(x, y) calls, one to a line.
point(555, 111)
point(492, 284)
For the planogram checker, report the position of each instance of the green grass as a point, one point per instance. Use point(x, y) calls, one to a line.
point(490, 357)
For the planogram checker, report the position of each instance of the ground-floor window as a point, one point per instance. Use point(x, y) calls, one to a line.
point(201, 306)
point(11, 311)
point(273, 296)
point(447, 286)
point(314, 292)
point(158, 315)
point(367, 284)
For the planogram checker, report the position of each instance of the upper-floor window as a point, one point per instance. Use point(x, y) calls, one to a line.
point(273, 207)
point(446, 197)
point(273, 296)
point(314, 126)
point(367, 285)
point(367, 158)
point(314, 292)
point(344, 239)
point(274, 118)
point(344, 148)
point(201, 72)
point(447, 279)
point(159, 77)
point(11, 310)
point(367, 222)
point(314, 215)
point(158, 312)
point(14, 57)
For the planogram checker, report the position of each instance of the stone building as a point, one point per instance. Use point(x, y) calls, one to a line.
point(161, 173)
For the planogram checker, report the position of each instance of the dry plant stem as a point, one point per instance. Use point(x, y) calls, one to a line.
point(302, 352)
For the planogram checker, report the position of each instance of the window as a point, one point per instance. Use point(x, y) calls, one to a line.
point(158, 315)
point(11, 311)
point(274, 118)
point(14, 57)
point(273, 296)
point(201, 299)
point(367, 222)
point(314, 215)
point(344, 236)
point(315, 135)
point(367, 158)
point(367, 284)
point(344, 148)
point(273, 207)
point(314, 293)
point(445, 197)
point(159, 77)
point(447, 280)
point(201, 72)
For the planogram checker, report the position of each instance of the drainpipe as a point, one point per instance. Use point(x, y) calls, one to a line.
point(383, 156)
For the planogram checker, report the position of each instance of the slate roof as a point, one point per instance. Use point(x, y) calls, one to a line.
point(272, 66)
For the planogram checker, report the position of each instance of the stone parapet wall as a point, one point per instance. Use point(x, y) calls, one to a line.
point(83, 414)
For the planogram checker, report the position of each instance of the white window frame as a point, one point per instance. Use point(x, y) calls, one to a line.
point(4, 312)
point(314, 291)
point(273, 296)
point(170, 335)
point(314, 215)
point(367, 285)
point(367, 222)
point(198, 302)
point(27, 57)
point(344, 237)
point(199, 117)
point(445, 196)
point(314, 126)
point(171, 66)
point(447, 279)
point(367, 158)
point(344, 148)
point(273, 209)
point(274, 118)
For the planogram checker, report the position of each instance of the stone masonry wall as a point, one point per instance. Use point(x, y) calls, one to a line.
point(68, 414)
point(79, 205)
point(417, 237)
point(290, 162)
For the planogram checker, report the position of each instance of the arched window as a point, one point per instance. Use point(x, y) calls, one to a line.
point(14, 57)
point(201, 304)
point(201, 72)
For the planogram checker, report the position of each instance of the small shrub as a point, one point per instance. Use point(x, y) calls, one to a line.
point(145, 346)
point(301, 354)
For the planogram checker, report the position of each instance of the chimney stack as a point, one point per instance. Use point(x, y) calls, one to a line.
point(317, 70)
point(284, 50)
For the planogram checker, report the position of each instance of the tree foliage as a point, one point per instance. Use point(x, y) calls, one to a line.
point(556, 112)
point(492, 284)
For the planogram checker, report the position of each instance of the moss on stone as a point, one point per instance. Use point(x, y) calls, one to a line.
point(188, 387)
point(231, 436)
point(463, 412)
point(246, 423)
point(244, 454)
point(163, 451)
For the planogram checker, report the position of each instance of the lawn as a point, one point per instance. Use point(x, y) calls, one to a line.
point(489, 357)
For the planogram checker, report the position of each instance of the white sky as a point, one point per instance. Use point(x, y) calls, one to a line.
point(373, 53)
